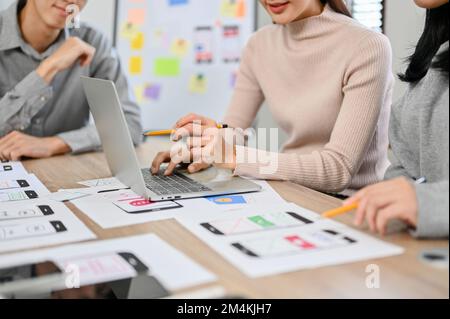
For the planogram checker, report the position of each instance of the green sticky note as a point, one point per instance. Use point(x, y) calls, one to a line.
point(167, 67)
point(261, 221)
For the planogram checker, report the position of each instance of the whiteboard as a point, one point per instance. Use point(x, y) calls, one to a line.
point(182, 56)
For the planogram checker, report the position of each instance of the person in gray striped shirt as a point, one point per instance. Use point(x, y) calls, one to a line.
point(43, 109)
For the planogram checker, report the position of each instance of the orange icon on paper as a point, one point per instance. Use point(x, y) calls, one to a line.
point(224, 200)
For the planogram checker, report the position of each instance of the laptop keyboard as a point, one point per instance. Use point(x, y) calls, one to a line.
point(174, 184)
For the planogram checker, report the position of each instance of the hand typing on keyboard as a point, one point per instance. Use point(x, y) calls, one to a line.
point(174, 184)
point(206, 145)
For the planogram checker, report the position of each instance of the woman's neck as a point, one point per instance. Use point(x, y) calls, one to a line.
point(34, 30)
point(316, 8)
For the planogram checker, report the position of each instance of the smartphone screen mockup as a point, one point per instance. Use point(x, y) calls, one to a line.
point(5, 168)
point(106, 267)
point(26, 212)
point(18, 231)
point(293, 244)
point(256, 223)
point(10, 184)
point(17, 195)
point(204, 45)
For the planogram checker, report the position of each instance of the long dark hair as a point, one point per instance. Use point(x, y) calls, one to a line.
point(339, 6)
point(434, 35)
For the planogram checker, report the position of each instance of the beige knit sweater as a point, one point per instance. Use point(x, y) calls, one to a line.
point(328, 83)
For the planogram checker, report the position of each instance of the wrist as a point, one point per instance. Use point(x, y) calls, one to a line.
point(229, 162)
point(58, 146)
point(47, 71)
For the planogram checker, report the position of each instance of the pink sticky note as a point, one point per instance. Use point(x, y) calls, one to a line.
point(136, 16)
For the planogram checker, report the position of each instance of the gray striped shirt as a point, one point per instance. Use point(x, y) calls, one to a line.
point(28, 104)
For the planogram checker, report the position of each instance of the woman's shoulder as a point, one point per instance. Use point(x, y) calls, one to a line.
point(359, 33)
point(331, 24)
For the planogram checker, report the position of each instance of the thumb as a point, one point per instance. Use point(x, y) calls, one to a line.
point(197, 167)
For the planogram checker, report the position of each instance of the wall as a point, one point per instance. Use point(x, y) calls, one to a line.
point(404, 23)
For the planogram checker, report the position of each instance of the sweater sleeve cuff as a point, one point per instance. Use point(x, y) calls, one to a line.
point(256, 163)
point(83, 140)
point(430, 224)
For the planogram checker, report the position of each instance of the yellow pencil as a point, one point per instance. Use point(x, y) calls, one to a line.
point(339, 211)
point(159, 133)
point(170, 132)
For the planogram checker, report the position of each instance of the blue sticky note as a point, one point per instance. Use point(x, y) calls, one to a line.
point(227, 200)
point(178, 2)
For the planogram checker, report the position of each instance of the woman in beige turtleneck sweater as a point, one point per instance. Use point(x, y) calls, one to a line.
point(328, 83)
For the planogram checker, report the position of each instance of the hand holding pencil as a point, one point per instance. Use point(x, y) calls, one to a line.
point(173, 131)
point(382, 202)
point(340, 211)
point(187, 126)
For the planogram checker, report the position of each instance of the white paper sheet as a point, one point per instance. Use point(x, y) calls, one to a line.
point(266, 197)
point(90, 190)
point(12, 195)
point(112, 182)
point(65, 196)
point(282, 243)
point(12, 167)
point(36, 230)
point(107, 215)
point(128, 201)
point(164, 261)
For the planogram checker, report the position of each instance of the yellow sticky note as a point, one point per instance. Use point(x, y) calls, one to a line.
point(129, 31)
point(228, 8)
point(198, 84)
point(135, 66)
point(180, 47)
point(137, 43)
point(139, 94)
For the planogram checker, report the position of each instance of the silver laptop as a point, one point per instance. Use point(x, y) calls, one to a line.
point(124, 165)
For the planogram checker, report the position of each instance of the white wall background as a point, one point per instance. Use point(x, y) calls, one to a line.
point(403, 25)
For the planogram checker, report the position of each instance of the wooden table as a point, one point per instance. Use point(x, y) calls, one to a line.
point(402, 276)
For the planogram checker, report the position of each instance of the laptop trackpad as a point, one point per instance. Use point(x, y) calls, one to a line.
point(210, 175)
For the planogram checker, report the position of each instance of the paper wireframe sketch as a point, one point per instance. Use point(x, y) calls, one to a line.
point(268, 241)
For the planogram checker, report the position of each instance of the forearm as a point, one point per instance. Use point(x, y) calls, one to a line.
point(85, 139)
point(323, 170)
point(47, 71)
point(23, 102)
